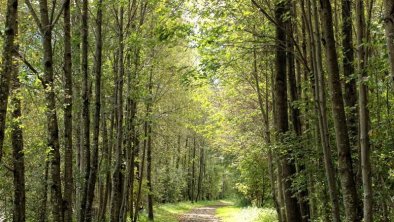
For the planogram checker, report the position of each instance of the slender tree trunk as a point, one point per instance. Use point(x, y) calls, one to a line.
point(106, 165)
point(295, 113)
point(178, 153)
point(364, 114)
point(193, 181)
point(321, 107)
point(17, 146)
point(141, 174)
point(52, 123)
point(118, 175)
point(134, 135)
point(97, 110)
point(149, 147)
point(348, 71)
point(85, 109)
point(11, 26)
point(389, 27)
point(44, 199)
point(68, 95)
point(342, 138)
point(77, 102)
point(266, 136)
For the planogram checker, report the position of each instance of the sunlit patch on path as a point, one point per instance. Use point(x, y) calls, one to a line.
point(202, 214)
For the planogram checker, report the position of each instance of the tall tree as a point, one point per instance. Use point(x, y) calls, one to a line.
point(68, 120)
point(149, 116)
point(282, 126)
point(45, 22)
point(17, 144)
point(320, 97)
point(118, 175)
point(96, 121)
point(346, 174)
point(295, 111)
point(11, 25)
point(364, 113)
point(85, 107)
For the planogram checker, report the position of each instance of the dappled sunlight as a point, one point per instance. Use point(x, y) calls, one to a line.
point(247, 214)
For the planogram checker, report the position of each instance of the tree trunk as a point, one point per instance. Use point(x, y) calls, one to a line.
point(348, 71)
point(389, 27)
point(149, 147)
point(364, 113)
point(11, 26)
point(52, 124)
point(85, 109)
point(106, 164)
point(282, 126)
point(77, 102)
point(118, 175)
point(295, 113)
point(266, 136)
point(17, 147)
point(96, 121)
point(193, 181)
point(200, 174)
point(141, 174)
point(68, 95)
point(342, 138)
point(44, 199)
point(321, 107)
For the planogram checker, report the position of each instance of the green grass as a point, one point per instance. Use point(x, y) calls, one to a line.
point(171, 212)
point(247, 214)
point(228, 213)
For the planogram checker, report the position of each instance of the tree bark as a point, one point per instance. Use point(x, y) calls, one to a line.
point(11, 25)
point(141, 173)
point(85, 109)
point(295, 113)
point(52, 123)
point(149, 147)
point(17, 146)
point(341, 131)
point(68, 96)
point(321, 106)
point(389, 27)
point(348, 71)
point(364, 114)
point(282, 126)
point(118, 175)
point(97, 110)
point(193, 181)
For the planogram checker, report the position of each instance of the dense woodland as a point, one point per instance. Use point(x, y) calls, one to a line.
point(109, 108)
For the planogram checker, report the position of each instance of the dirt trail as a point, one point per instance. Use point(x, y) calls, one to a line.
point(202, 214)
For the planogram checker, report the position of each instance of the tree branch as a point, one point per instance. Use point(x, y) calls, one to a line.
point(53, 22)
point(34, 14)
point(29, 65)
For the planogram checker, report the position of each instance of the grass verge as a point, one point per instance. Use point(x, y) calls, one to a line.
point(247, 214)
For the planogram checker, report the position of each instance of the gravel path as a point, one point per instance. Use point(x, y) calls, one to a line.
point(202, 214)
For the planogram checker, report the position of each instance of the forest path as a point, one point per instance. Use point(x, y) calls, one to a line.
point(202, 214)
